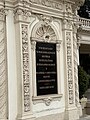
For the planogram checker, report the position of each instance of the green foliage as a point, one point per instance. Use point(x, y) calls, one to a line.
point(83, 81)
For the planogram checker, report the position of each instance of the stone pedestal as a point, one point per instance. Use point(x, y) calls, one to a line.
point(87, 94)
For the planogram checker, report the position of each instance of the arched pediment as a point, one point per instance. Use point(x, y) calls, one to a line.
point(44, 32)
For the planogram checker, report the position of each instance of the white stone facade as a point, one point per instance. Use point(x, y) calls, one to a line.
point(23, 23)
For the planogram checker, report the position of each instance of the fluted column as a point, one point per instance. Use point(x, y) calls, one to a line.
point(3, 68)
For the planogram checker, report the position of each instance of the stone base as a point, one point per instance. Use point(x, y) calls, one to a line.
point(59, 116)
point(87, 108)
point(80, 110)
point(72, 114)
point(26, 117)
point(3, 119)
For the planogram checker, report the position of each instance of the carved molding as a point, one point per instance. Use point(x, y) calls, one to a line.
point(22, 15)
point(46, 33)
point(33, 45)
point(46, 99)
point(3, 72)
point(2, 14)
point(45, 19)
point(26, 80)
point(48, 3)
point(79, 38)
point(68, 24)
point(69, 67)
point(68, 8)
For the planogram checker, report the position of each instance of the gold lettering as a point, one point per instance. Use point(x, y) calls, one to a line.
point(46, 76)
point(45, 52)
point(46, 87)
point(45, 60)
point(45, 56)
point(45, 72)
point(45, 81)
point(39, 64)
point(45, 48)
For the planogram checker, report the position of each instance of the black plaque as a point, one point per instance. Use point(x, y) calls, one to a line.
point(46, 68)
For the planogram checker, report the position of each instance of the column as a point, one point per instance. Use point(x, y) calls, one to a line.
point(11, 62)
point(71, 109)
point(76, 61)
point(3, 68)
point(24, 88)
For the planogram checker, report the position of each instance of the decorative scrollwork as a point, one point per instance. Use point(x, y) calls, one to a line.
point(69, 67)
point(21, 14)
point(48, 3)
point(26, 81)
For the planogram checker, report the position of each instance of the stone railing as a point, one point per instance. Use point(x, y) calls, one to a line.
point(84, 22)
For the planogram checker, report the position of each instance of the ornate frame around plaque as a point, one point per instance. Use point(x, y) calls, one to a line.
point(44, 32)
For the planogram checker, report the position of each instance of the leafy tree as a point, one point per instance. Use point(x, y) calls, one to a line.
point(83, 78)
point(84, 10)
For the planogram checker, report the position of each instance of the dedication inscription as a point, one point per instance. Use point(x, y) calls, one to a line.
point(46, 68)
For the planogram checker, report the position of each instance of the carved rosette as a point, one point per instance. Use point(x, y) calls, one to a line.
point(3, 69)
point(69, 67)
point(26, 82)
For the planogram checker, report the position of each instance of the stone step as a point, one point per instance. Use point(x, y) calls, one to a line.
point(87, 117)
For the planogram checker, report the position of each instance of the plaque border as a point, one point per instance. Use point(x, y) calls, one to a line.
point(47, 99)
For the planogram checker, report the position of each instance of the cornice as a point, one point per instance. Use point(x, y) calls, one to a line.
point(57, 4)
point(56, 8)
point(48, 3)
point(84, 31)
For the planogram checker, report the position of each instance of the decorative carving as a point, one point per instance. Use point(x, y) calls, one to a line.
point(33, 47)
point(58, 47)
point(75, 47)
point(22, 15)
point(78, 40)
point(48, 3)
point(47, 99)
point(2, 14)
point(69, 67)
point(46, 19)
point(45, 33)
point(67, 24)
point(3, 77)
point(68, 8)
point(26, 81)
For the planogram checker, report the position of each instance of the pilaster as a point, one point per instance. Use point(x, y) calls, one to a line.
point(22, 21)
point(3, 66)
point(71, 109)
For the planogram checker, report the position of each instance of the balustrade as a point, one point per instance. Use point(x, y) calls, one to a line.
point(84, 22)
